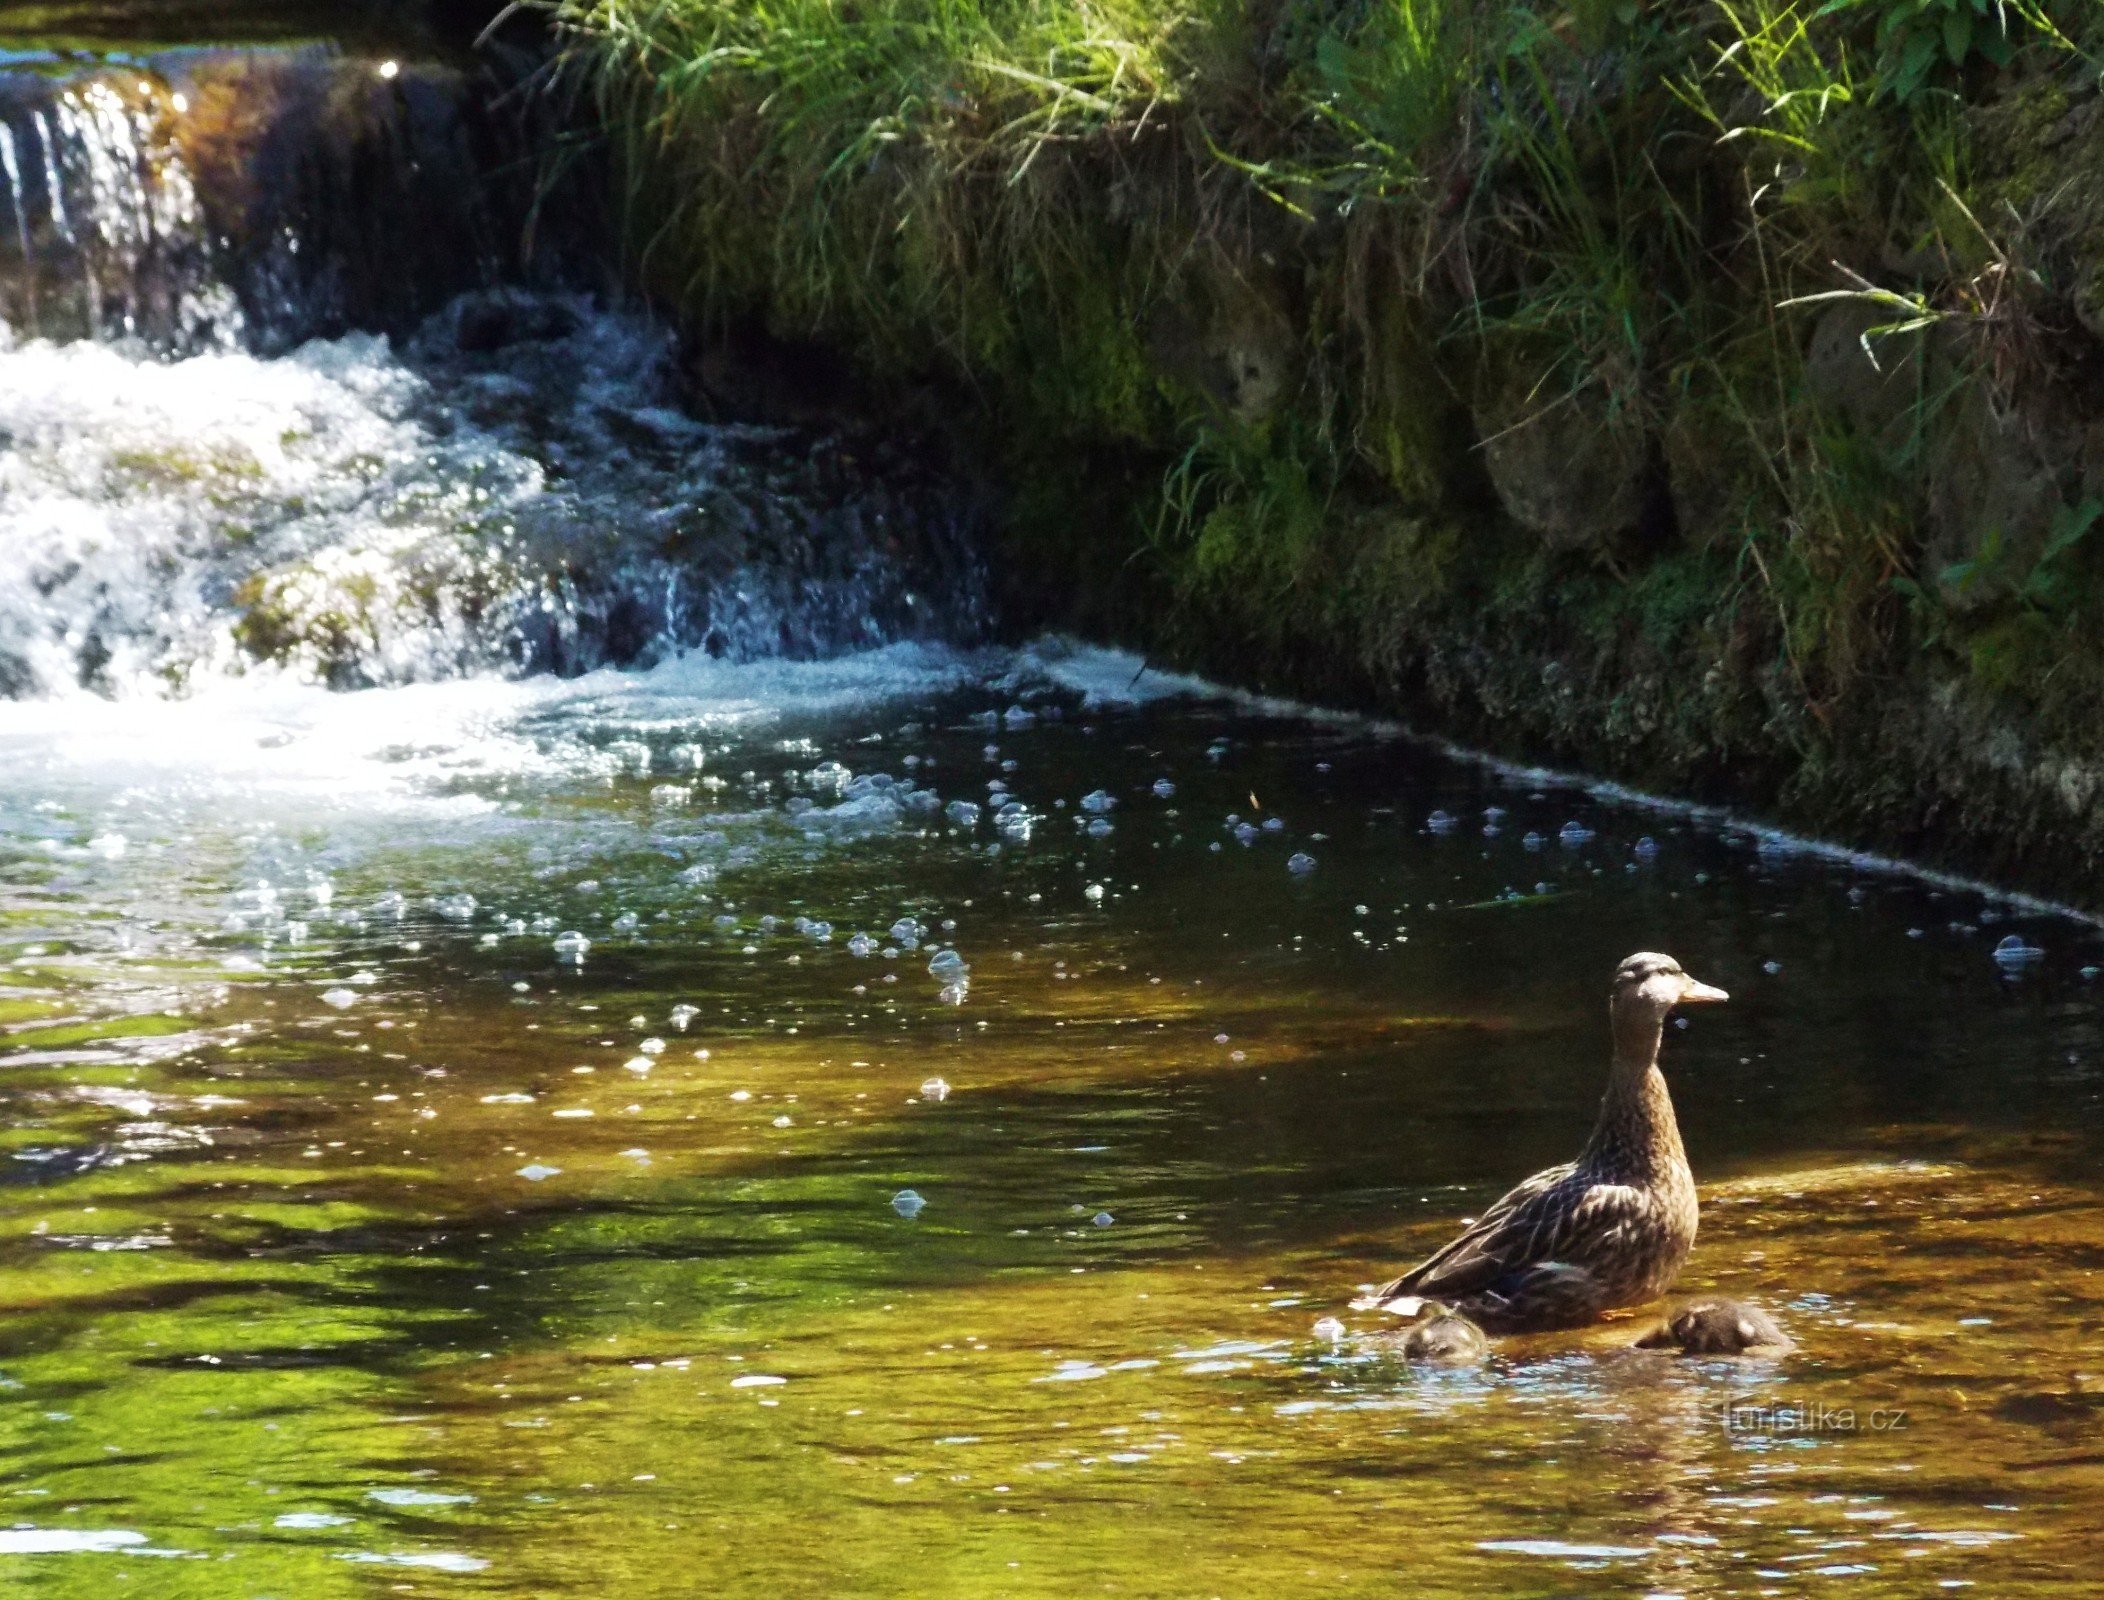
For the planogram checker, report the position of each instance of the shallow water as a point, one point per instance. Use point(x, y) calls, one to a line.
point(356, 1241)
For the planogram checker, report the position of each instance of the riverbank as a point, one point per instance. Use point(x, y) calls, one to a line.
point(1709, 395)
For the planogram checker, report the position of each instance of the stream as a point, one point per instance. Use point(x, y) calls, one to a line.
point(578, 1021)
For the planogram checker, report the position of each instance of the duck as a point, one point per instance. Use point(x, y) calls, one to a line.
point(1716, 1326)
point(1606, 1231)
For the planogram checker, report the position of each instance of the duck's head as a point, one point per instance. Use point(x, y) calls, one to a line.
point(1651, 983)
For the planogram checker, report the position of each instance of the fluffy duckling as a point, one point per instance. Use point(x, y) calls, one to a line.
point(1444, 1339)
point(1715, 1326)
point(1607, 1230)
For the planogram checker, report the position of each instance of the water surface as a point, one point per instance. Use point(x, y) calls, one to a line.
point(365, 1233)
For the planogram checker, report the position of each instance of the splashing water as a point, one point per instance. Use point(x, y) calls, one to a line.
point(356, 513)
point(510, 485)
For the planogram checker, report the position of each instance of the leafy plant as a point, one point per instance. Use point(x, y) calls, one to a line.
point(1918, 38)
point(2051, 583)
point(1388, 86)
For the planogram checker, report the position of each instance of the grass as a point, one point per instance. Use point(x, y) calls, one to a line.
point(1304, 263)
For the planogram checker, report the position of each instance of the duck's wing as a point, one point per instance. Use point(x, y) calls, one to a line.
point(1524, 1228)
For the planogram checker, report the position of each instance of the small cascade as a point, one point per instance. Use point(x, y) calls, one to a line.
point(302, 372)
point(214, 197)
point(513, 488)
point(107, 235)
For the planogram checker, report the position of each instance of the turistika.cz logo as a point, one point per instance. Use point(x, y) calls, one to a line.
point(1810, 1416)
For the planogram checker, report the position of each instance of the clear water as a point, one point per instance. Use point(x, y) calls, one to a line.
point(356, 1241)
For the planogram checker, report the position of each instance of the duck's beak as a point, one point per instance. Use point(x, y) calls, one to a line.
point(1695, 994)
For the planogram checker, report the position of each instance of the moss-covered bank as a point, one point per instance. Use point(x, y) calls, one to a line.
point(1710, 392)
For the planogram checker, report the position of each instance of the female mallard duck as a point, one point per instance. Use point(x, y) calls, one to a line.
point(1609, 1229)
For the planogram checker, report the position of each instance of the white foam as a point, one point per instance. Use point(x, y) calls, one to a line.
point(1110, 677)
point(134, 492)
point(357, 512)
point(268, 736)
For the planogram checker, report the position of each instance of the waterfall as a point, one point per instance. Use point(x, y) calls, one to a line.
point(213, 198)
point(11, 169)
point(280, 392)
point(109, 238)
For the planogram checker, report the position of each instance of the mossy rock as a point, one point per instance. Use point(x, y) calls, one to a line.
point(1230, 334)
point(1568, 460)
point(1705, 469)
point(1883, 384)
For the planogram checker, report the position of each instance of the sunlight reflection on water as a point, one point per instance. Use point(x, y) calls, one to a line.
point(432, 1278)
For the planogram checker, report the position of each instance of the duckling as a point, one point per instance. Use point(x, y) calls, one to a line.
point(1446, 1340)
point(1715, 1326)
point(1610, 1229)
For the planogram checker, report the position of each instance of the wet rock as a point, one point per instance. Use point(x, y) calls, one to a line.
point(746, 373)
point(491, 320)
point(1231, 336)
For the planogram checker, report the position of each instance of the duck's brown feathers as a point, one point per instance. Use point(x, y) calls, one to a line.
point(1620, 1234)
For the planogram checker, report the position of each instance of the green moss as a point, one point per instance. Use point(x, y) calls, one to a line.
point(143, 470)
